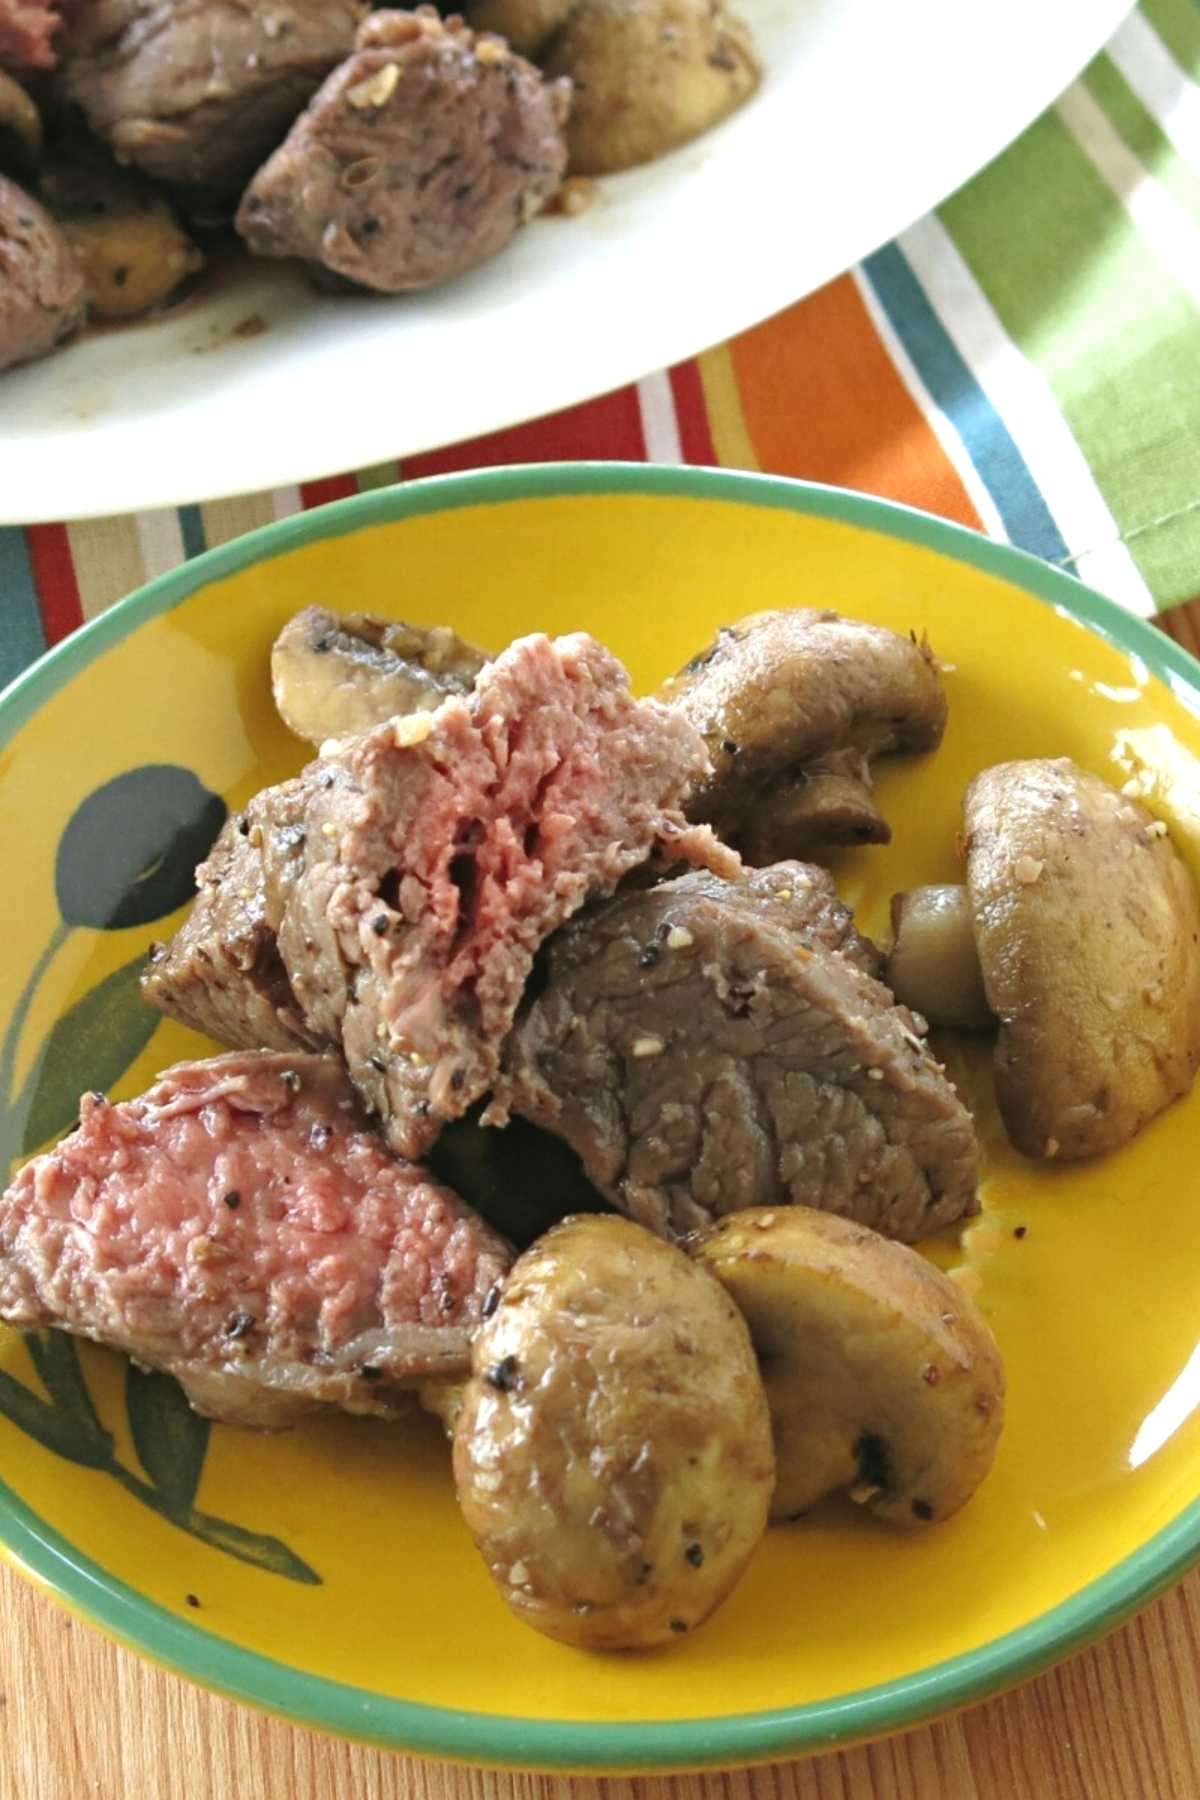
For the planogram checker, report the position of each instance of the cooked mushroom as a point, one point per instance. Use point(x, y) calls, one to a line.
point(706, 1046)
point(829, 803)
point(934, 965)
point(649, 75)
point(130, 246)
point(20, 128)
point(334, 674)
point(1086, 928)
point(612, 1455)
point(527, 24)
point(882, 1378)
point(792, 706)
point(444, 1399)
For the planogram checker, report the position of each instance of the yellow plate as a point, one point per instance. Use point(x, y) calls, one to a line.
point(325, 1573)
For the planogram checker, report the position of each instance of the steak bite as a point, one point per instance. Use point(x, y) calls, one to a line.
point(792, 706)
point(706, 1047)
point(27, 31)
point(198, 92)
point(434, 854)
point(221, 973)
point(237, 1227)
point(337, 673)
point(41, 287)
point(419, 158)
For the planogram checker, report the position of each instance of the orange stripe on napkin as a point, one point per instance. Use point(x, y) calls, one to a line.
point(822, 399)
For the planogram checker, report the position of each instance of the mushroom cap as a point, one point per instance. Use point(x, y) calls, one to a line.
point(1087, 925)
point(881, 1376)
point(829, 802)
point(612, 1454)
point(778, 690)
point(335, 674)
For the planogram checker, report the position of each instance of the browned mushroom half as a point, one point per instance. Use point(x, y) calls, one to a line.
point(131, 248)
point(882, 1378)
point(612, 1449)
point(648, 76)
point(1085, 928)
point(792, 706)
point(20, 128)
point(527, 24)
point(334, 674)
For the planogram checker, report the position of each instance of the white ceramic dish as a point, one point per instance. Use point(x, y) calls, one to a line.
point(871, 114)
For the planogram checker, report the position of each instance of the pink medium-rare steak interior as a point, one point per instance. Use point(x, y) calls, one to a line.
point(237, 1227)
point(27, 29)
point(440, 850)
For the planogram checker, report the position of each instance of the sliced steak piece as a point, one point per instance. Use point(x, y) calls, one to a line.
point(221, 973)
point(436, 853)
point(41, 286)
point(420, 157)
point(707, 1047)
point(238, 1227)
point(27, 29)
point(198, 92)
point(796, 896)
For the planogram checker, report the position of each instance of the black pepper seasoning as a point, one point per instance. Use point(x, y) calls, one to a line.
point(503, 1375)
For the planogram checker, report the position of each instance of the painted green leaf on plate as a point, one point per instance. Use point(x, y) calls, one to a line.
point(54, 1430)
point(267, 1553)
point(90, 1046)
point(55, 1356)
point(170, 1439)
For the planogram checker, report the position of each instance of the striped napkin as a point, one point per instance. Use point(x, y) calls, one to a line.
point(1026, 361)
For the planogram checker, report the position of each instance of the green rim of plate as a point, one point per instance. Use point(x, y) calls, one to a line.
point(568, 1744)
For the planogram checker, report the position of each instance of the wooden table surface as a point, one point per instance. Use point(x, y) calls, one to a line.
point(81, 1719)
